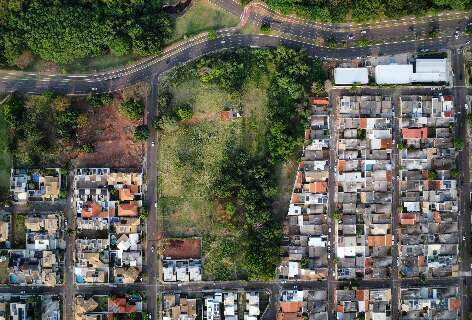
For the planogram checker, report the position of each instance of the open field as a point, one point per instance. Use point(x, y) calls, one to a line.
point(202, 16)
point(188, 159)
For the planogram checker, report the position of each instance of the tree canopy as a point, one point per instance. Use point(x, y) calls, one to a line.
point(64, 31)
point(363, 10)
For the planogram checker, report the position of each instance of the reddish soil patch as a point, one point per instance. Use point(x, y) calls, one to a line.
point(112, 136)
point(182, 248)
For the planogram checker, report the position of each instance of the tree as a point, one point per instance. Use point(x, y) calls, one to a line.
point(184, 112)
point(469, 119)
point(61, 103)
point(141, 133)
point(82, 120)
point(459, 144)
point(432, 175)
point(86, 148)
point(212, 35)
point(94, 100)
point(401, 146)
point(337, 215)
point(120, 46)
point(363, 42)
point(132, 109)
point(455, 173)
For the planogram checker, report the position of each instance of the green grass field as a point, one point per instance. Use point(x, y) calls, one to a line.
point(188, 160)
point(202, 16)
point(5, 157)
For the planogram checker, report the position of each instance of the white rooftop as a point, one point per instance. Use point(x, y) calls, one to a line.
point(393, 73)
point(351, 75)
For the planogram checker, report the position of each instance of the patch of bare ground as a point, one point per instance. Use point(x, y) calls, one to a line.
point(111, 135)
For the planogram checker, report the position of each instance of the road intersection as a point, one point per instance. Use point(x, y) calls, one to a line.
point(296, 34)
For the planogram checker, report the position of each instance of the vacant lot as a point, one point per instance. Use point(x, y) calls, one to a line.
point(19, 231)
point(188, 160)
point(112, 137)
point(202, 16)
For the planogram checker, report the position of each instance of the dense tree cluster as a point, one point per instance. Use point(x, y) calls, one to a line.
point(363, 10)
point(40, 124)
point(63, 31)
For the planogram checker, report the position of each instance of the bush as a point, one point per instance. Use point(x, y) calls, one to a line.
point(141, 133)
point(132, 109)
point(459, 144)
point(94, 100)
point(106, 99)
point(82, 120)
point(184, 112)
point(212, 35)
point(86, 148)
point(265, 28)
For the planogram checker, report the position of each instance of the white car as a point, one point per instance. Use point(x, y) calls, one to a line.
point(153, 143)
point(155, 204)
point(363, 31)
point(329, 229)
point(329, 256)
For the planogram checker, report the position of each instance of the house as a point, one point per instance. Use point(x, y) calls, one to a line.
point(35, 185)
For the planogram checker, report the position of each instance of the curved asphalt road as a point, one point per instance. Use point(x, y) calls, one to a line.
point(33, 83)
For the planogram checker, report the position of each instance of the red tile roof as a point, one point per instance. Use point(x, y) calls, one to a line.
point(318, 187)
point(127, 209)
point(419, 133)
point(320, 101)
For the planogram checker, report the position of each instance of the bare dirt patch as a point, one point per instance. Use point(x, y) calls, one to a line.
point(111, 134)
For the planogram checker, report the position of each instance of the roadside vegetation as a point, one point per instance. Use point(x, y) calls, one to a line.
point(67, 31)
point(5, 157)
point(364, 10)
point(220, 179)
point(202, 16)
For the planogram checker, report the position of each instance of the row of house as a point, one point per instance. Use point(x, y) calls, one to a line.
point(42, 260)
point(109, 244)
point(107, 307)
point(430, 303)
point(305, 244)
point(181, 260)
point(14, 307)
point(226, 305)
point(303, 304)
point(428, 188)
point(35, 184)
point(352, 304)
point(364, 187)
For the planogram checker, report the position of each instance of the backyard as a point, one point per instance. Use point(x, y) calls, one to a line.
point(18, 231)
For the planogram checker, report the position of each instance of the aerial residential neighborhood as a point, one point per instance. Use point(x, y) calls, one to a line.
point(235, 160)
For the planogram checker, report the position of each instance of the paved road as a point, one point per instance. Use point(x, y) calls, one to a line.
point(151, 184)
point(115, 80)
point(459, 92)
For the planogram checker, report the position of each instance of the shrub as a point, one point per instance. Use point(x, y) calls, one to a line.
point(184, 112)
point(86, 148)
point(82, 120)
point(212, 35)
point(106, 99)
point(132, 109)
point(94, 100)
point(141, 133)
point(459, 144)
